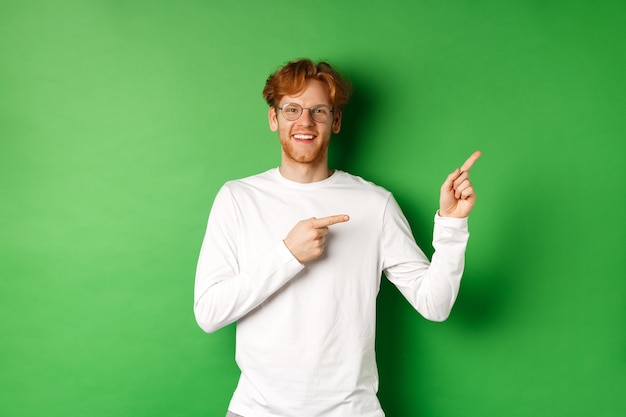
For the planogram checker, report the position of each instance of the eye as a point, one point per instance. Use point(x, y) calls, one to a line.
point(321, 110)
point(292, 109)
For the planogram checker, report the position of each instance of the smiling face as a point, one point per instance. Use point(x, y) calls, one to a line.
point(305, 141)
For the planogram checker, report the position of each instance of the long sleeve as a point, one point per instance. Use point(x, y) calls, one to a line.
point(306, 335)
point(226, 288)
point(430, 287)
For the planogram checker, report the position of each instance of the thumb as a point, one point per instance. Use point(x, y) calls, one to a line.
point(448, 184)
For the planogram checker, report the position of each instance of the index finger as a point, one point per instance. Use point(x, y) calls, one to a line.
point(330, 220)
point(470, 161)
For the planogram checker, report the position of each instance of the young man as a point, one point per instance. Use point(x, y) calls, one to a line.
point(295, 255)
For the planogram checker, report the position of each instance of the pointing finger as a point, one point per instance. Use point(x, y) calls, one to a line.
point(470, 161)
point(330, 220)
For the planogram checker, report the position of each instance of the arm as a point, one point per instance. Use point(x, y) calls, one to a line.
point(225, 290)
point(432, 287)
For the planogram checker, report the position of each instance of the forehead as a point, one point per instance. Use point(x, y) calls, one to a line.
point(314, 92)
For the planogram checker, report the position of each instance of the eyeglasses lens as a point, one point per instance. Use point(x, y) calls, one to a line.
point(319, 113)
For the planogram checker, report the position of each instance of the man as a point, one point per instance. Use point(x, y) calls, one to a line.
point(295, 256)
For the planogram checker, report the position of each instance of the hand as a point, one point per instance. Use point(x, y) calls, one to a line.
point(457, 196)
point(306, 240)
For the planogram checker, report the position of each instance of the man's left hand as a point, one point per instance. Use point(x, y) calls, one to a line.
point(457, 196)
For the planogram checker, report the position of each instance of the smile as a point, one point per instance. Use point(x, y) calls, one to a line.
point(303, 137)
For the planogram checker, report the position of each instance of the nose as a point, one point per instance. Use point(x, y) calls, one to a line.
point(306, 119)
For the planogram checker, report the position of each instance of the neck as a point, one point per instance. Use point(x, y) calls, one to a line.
point(304, 173)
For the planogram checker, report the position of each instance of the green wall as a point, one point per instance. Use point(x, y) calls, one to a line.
point(119, 121)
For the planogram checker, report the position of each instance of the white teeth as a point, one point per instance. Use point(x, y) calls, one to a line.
point(303, 137)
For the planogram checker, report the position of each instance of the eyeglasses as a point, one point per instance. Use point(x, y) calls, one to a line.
point(293, 111)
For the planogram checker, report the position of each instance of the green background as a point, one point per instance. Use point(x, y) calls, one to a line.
point(119, 121)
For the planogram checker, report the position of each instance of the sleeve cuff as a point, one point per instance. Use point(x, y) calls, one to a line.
point(285, 253)
point(453, 222)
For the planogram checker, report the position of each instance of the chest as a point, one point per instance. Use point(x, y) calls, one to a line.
point(265, 218)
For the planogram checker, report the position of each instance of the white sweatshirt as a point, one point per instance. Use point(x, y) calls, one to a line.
point(305, 332)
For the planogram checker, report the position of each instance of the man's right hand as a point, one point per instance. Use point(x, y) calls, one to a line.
point(306, 240)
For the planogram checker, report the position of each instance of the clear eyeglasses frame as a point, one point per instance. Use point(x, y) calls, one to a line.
point(292, 111)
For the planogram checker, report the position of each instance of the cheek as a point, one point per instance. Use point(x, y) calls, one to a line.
point(284, 131)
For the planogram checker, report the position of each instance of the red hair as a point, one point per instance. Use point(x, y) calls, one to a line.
point(292, 78)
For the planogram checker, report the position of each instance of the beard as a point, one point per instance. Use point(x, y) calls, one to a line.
point(304, 153)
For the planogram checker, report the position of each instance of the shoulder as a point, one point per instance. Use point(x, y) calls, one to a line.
point(263, 180)
point(360, 184)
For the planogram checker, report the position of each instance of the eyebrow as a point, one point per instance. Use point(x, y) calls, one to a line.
point(315, 105)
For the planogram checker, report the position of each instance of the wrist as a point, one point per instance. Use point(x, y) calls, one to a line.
point(442, 213)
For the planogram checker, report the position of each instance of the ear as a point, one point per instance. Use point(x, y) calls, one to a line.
point(272, 118)
point(337, 121)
